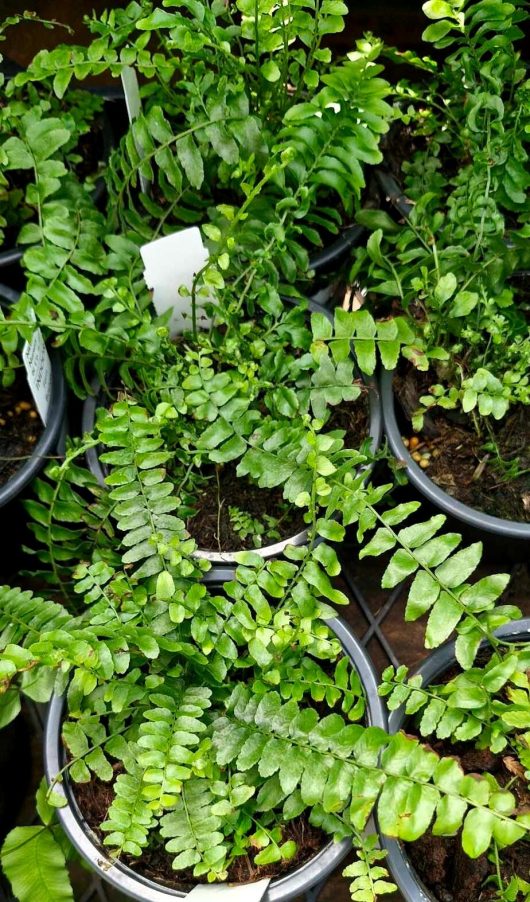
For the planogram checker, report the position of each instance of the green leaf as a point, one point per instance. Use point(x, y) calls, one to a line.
point(484, 593)
point(268, 855)
point(330, 530)
point(437, 9)
point(17, 153)
point(422, 594)
point(377, 219)
point(382, 541)
point(259, 652)
point(321, 327)
point(449, 814)
point(46, 136)
point(477, 832)
point(35, 865)
point(496, 677)
point(438, 549)
point(270, 71)
point(445, 288)
point(466, 648)
point(464, 303)
point(468, 697)
point(454, 571)
point(61, 81)
point(45, 811)
point(190, 157)
point(401, 565)
point(442, 620)
point(373, 247)
point(9, 706)
point(436, 31)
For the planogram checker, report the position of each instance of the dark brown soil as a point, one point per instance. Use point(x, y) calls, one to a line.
point(20, 427)
point(461, 466)
point(94, 800)
point(440, 862)
point(211, 526)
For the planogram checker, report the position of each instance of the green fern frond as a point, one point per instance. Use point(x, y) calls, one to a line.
point(195, 832)
point(129, 819)
point(142, 494)
point(24, 617)
point(34, 863)
point(305, 677)
point(168, 736)
point(359, 770)
point(370, 877)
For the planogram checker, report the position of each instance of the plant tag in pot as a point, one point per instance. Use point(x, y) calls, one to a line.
point(131, 89)
point(248, 892)
point(171, 264)
point(39, 373)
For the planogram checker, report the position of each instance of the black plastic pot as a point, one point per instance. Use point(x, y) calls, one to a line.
point(47, 443)
point(328, 263)
point(267, 551)
point(517, 532)
point(411, 887)
point(393, 193)
point(134, 886)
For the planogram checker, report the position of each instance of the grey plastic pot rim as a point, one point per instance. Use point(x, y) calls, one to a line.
point(277, 548)
point(480, 520)
point(142, 889)
point(409, 883)
point(50, 435)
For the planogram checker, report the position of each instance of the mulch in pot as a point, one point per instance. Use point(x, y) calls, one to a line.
point(440, 861)
point(94, 799)
point(211, 525)
point(20, 427)
point(457, 461)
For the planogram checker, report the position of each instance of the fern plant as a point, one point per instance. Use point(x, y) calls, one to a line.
point(47, 207)
point(215, 767)
point(225, 88)
point(202, 697)
point(449, 266)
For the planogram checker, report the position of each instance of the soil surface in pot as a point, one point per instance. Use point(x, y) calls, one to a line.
point(20, 427)
point(213, 526)
point(94, 800)
point(457, 461)
point(440, 862)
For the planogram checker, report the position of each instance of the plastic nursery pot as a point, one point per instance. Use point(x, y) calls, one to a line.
point(328, 262)
point(393, 193)
point(48, 441)
point(133, 885)
point(480, 522)
point(375, 433)
point(411, 887)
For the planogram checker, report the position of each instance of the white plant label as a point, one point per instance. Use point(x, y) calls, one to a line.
point(249, 892)
point(133, 102)
point(39, 373)
point(171, 264)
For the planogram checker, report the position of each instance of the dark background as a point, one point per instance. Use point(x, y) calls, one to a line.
point(399, 24)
